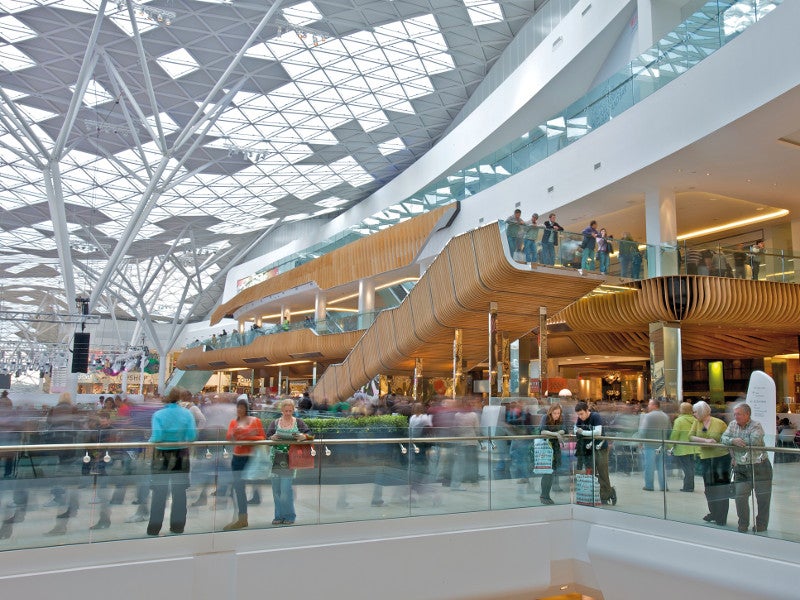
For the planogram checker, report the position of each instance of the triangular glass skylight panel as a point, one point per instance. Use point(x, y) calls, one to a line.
point(12, 59)
point(483, 12)
point(302, 14)
point(167, 123)
point(331, 202)
point(81, 6)
point(178, 63)
point(391, 146)
point(95, 94)
point(13, 30)
point(36, 115)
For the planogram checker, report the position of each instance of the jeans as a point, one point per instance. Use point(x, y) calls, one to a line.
point(603, 260)
point(686, 462)
point(514, 244)
point(653, 461)
point(283, 497)
point(587, 259)
point(238, 463)
point(530, 251)
point(548, 253)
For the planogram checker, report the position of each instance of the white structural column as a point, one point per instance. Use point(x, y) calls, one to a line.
point(666, 370)
point(320, 310)
point(366, 303)
point(662, 232)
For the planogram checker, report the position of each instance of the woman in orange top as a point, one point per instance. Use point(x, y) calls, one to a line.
point(242, 428)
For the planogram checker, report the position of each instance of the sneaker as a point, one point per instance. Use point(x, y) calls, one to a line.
point(547, 501)
point(136, 518)
point(53, 503)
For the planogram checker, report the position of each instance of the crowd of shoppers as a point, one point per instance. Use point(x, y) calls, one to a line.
point(161, 473)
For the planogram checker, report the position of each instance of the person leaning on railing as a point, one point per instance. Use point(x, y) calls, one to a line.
point(172, 427)
point(715, 462)
point(752, 469)
point(683, 453)
point(594, 452)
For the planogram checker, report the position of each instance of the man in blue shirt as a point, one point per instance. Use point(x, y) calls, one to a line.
point(588, 245)
point(172, 427)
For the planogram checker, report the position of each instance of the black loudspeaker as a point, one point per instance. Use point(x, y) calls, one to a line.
point(5, 381)
point(80, 352)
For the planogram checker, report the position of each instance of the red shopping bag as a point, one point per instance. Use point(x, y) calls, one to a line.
point(300, 456)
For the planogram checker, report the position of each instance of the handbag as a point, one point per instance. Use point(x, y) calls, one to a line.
point(542, 457)
point(300, 456)
point(280, 460)
point(259, 465)
point(519, 256)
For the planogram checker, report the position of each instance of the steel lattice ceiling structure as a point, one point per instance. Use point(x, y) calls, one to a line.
point(146, 147)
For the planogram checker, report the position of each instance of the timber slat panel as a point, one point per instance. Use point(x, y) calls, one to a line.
point(277, 347)
point(383, 251)
point(711, 301)
point(470, 272)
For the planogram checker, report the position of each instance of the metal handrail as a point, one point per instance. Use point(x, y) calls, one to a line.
point(340, 441)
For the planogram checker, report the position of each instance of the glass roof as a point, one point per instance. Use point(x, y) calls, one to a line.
point(146, 180)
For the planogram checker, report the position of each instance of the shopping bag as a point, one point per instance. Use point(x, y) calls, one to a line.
point(542, 457)
point(587, 490)
point(519, 256)
point(259, 465)
point(300, 456)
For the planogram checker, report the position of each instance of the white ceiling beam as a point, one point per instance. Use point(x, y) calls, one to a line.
point(208, 121)
point(151, 273)
point(148, 81)
point(58, 216)
point(19, 124)
point(219, 276)
point(194, 122)
point(22, 156)
point(85, 74)
point(121, 88)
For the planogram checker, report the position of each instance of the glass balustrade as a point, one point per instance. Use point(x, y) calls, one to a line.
point(635, 260)
point(713, 25)
point(61, 487)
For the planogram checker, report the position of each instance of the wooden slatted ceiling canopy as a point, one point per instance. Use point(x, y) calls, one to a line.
point(473, 270)
point(719, 317)
point(393, 248)
point(690, 300)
